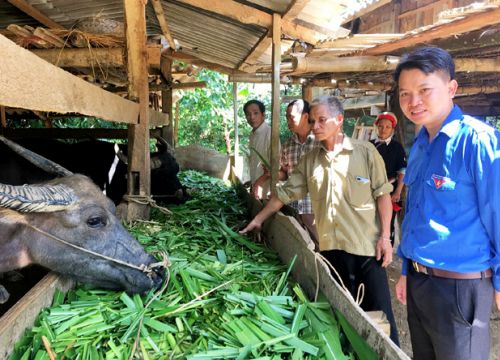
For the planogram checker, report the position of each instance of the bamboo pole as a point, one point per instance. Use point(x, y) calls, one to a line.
point(275, 125)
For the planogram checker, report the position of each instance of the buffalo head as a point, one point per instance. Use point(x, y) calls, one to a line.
point(69, 226)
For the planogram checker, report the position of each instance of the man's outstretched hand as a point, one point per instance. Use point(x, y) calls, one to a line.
point(252, 226)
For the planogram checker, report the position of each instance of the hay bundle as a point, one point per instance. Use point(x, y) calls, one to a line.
point(100, 25)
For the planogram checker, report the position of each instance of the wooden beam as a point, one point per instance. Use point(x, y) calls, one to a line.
point(295, 9)
point(189, 85)
point(94, 57)
point(139, 176)
point(364, 102)
point(157, 119)
point(304, 65)
point(342, 84)
point(198, 62)
point(248, 15)
point(35, 14)
point(307, 93)
point(71, 133)
point(175, 141)
point(335, 64)
point(255, 78)
point(162, 19)
point(166, 87)
point(235, 118)
point(28, 82)
point(473, 90)
point(265, 41)
point(467, 24)
point(167, 95)
point(257, 51)
point(275, 112)
point(374, 5)
point(3, 117)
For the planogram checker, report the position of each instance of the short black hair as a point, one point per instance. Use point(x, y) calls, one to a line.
point(260, 104)
point(427, 60)
point(302, 105)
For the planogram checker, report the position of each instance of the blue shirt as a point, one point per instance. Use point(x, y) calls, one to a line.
point(452, 219)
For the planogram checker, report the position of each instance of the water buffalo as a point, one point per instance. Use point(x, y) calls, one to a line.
point(69, 226)
point(99, 160)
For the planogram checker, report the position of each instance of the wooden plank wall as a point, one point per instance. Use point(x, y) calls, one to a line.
point(406, 15)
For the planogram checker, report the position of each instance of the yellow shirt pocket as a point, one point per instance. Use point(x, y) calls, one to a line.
point(358, 190)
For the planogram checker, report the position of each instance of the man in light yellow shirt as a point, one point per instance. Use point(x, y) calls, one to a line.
point(351, 200)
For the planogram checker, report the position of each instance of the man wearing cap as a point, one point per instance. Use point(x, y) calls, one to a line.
point(450, 243)
point(394, 157)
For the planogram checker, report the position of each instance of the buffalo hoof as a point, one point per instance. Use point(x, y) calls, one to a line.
point(4, 295)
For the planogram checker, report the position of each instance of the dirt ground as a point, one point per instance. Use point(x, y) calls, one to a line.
point(393, 273)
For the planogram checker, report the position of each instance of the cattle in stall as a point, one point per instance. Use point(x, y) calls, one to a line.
point(102, 161)
point(69, 226)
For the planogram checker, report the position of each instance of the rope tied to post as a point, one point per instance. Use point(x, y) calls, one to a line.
point(146, 200)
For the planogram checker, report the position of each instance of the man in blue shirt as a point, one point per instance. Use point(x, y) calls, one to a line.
point(451, 233)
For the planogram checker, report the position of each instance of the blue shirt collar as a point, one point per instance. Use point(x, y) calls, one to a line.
point(449, 127)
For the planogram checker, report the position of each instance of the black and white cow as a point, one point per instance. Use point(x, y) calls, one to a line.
point(100, 161)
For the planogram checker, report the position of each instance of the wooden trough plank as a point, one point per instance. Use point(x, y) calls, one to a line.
point(73, 133)
point(288, 238)
point(28, 82)
point(23, 314)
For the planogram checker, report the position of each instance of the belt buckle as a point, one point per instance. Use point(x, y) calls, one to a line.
point(415, 266)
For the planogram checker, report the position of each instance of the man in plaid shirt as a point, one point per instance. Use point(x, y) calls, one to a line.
point(300, 143)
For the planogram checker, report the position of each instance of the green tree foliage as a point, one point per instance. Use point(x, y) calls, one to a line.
point(206, 115)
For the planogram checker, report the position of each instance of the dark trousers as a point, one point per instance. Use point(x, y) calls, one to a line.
point(393, 228)
point(449, 319)
point(355, 270)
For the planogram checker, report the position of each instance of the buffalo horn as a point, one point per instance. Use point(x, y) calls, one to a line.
point(165, 143)
point(34, 198)
point(37, 160)
point(123, 158)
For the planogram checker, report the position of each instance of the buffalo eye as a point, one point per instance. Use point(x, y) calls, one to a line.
point(96, 222)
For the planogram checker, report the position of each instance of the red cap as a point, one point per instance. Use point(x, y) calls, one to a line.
point(386, 115)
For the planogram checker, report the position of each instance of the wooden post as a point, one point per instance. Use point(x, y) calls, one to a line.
point(166, 96)
point(235, 114)
point(275, 112)
point(175, 140)
point(139, 182)
point(307, 93)
point(3, 116)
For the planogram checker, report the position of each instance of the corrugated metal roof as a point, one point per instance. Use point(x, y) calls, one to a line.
point(206, 35)
point(9, 14)
point(67, 12)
